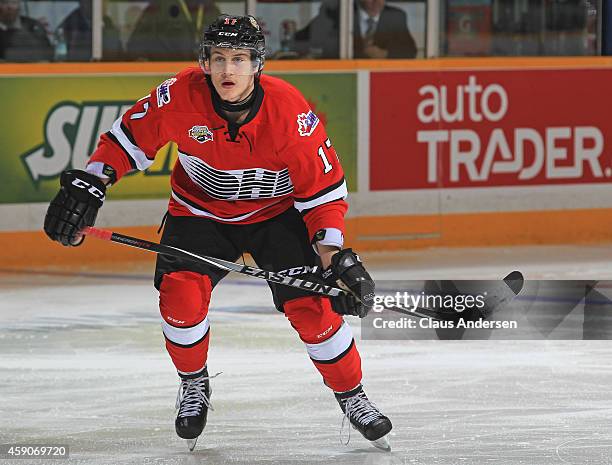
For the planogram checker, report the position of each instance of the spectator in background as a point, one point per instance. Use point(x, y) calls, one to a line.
point(319, 39)
point(171, 29)
point(380, 31)
point(566, 28)
point(77, 32)
point(22, 38)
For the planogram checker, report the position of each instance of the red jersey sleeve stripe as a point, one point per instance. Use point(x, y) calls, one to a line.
point(336, 191)
point(130, 160)
point(140, 159)
point(130, 137)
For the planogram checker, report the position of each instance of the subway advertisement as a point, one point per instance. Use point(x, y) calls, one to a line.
point(56, 121)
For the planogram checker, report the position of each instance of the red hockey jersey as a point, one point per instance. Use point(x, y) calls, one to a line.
point(279, 157)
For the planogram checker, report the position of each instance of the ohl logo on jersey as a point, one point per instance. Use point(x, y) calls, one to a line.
point(201, 133)
point(242, 184)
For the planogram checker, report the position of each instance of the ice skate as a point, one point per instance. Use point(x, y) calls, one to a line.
point(365, 417)
point(193, 403)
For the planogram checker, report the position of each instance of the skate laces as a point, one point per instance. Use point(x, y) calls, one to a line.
point(359, 409)
point(192, 396)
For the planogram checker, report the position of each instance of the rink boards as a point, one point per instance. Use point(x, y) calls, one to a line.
point(437, 152)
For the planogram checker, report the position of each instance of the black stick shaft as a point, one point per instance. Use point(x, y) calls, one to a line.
point(269, 276)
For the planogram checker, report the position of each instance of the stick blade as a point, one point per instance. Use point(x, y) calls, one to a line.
point(515, 281)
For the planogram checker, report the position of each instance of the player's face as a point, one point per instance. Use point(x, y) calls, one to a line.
point(232, 73)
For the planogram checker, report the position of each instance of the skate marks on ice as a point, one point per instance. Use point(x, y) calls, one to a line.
point(105, 387)
point(596, 448)
point(525, 403)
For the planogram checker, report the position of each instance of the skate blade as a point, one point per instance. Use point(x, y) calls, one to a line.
point(382, 444)
point(191, 443)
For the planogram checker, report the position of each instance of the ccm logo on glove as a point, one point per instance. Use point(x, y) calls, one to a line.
point(75, 206)
point(91, 189)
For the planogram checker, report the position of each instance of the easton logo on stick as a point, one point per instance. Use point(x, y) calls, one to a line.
point(277, 278)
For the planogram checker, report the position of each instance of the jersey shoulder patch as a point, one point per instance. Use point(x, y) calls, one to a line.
point(173, 88)
point(307, 123)
point(163, 94)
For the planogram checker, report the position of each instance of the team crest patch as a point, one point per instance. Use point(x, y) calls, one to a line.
point(163, 92)
point(307, 123)
point(201, 134)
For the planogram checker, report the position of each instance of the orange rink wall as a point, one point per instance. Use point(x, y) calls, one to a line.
point(29, 249)
point(365, 231)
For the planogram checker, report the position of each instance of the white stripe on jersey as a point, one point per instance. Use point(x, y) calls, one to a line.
point(338, 193)
point(333, 347)
point(247, 184)
point(142, 162)
point(197, 211)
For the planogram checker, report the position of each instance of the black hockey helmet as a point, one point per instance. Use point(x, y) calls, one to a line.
point(236, 32)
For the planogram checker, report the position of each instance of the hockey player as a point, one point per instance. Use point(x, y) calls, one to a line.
point(256, 173)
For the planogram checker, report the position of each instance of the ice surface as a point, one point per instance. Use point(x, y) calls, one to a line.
point(82, 363)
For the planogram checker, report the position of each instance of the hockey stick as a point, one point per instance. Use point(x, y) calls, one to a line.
point(514, 280)
point(271, 276)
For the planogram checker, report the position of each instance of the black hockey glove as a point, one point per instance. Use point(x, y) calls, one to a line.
point(347, 271)
point(75, 206)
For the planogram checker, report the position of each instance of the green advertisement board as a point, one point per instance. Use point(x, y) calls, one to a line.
point(52, 123)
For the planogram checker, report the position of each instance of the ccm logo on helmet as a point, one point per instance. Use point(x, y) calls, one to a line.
point(91, 189)
point(231, 34)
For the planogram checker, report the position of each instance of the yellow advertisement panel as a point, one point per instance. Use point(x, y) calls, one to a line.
point(55, 122)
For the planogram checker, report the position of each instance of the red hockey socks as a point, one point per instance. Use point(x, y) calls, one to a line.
point(183, 302)
point(328, 339)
